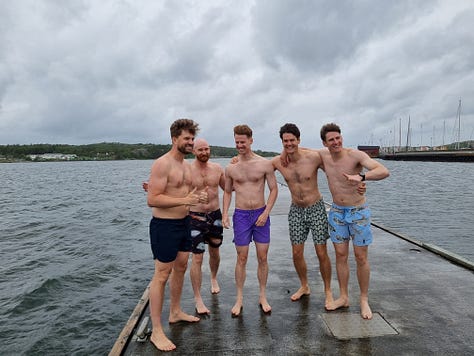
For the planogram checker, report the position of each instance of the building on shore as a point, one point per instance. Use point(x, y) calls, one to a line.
point(372, 151)
point(53, 157)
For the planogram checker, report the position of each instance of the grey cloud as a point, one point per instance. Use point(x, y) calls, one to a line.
point(316, 36)
point(87, 71)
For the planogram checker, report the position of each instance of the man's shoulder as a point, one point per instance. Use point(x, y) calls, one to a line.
point(324, 152)
point(355, 153)
point(162, 165)
point(216, 167)
point(310, 153)
point(263, 160)
point(164, 159)
point(276, 160)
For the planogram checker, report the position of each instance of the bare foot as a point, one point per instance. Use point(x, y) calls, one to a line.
point(161, 342)
point(201, 308)
point(329, 300)
point(237, 309)
point(182, 316)
point(215, 286)
point(365, 310)
point(266, 308)
point(299, 293)
point(341, 302)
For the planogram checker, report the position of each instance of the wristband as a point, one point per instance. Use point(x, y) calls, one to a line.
point(362, 176)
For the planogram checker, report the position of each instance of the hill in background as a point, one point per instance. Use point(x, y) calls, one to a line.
point(98, 152)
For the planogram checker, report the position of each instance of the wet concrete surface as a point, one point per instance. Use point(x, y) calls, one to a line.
point(422, 304)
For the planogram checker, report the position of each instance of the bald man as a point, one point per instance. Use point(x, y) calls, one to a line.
point(206, 220)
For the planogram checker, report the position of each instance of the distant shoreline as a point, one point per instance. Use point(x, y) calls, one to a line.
point(79, 159)
point(104, 151)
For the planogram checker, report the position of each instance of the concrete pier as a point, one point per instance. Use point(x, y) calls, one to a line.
point(423, 304)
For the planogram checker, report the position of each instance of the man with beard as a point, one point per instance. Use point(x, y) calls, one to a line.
point(170, 194)
point(206, 220)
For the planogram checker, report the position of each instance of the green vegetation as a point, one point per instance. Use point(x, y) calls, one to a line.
point(99, 152)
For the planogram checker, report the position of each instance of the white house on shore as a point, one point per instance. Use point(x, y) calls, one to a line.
point(53, 157)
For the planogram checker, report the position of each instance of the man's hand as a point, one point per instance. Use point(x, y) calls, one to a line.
point(192, 198)
point(284, 159)
point(225, 221)
point(362, 188)
point(262, 219)
point(353, 178)
point(145, 186)
point(203, 196)
point(234, 160)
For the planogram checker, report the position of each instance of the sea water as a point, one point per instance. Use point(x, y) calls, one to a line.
point(75, 255)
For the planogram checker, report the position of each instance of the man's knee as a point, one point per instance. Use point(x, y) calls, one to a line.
point(361, 259)
point(262, 259)
point(321, 250)
point(213, 251)
point(342, 258)
point(215, 242)
point(197, 258)
point(181, 263)
point(161, 277)
point(242, 259)
point(298, 251)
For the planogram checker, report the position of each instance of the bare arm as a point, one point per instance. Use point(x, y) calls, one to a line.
point(285, 159)
point(273, 187)
point(156, 193)
point(226, 200)
point(222, 180)
point(375, 170)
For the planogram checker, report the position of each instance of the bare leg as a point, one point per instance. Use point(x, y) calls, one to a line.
point(196, 281)
point(363, 276)
point(342, 268)
point(262, 274)
point(176, 287)
point(157, 292)
point(214, 261)
point(240, 274)
point(325, 270)
point(301, 269)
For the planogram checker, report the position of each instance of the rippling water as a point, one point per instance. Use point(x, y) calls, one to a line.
point(75, 255)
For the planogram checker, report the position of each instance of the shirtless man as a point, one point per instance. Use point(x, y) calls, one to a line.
point(299, 168)
point(349, 217)
point(170, 195)
point(251, 220)
point(307, 210)
point(206, 220)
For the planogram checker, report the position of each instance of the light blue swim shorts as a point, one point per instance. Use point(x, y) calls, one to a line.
point(350, 222)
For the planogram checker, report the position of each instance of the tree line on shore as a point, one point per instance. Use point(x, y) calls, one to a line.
point(101, 151)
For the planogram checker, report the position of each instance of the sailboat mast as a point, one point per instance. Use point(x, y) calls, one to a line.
point(458, 123)
point(408, 133)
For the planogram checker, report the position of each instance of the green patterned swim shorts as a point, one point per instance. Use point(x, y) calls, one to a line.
point(303, 219)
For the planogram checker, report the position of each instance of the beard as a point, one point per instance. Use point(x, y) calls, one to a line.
point(185, 149)
point(202, 158)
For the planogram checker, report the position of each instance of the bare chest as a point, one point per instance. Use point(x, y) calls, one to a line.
point(180, 176)
point(205, 177)
point(247, 173)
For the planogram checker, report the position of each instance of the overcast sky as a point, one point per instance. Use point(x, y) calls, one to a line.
point(80, 72)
